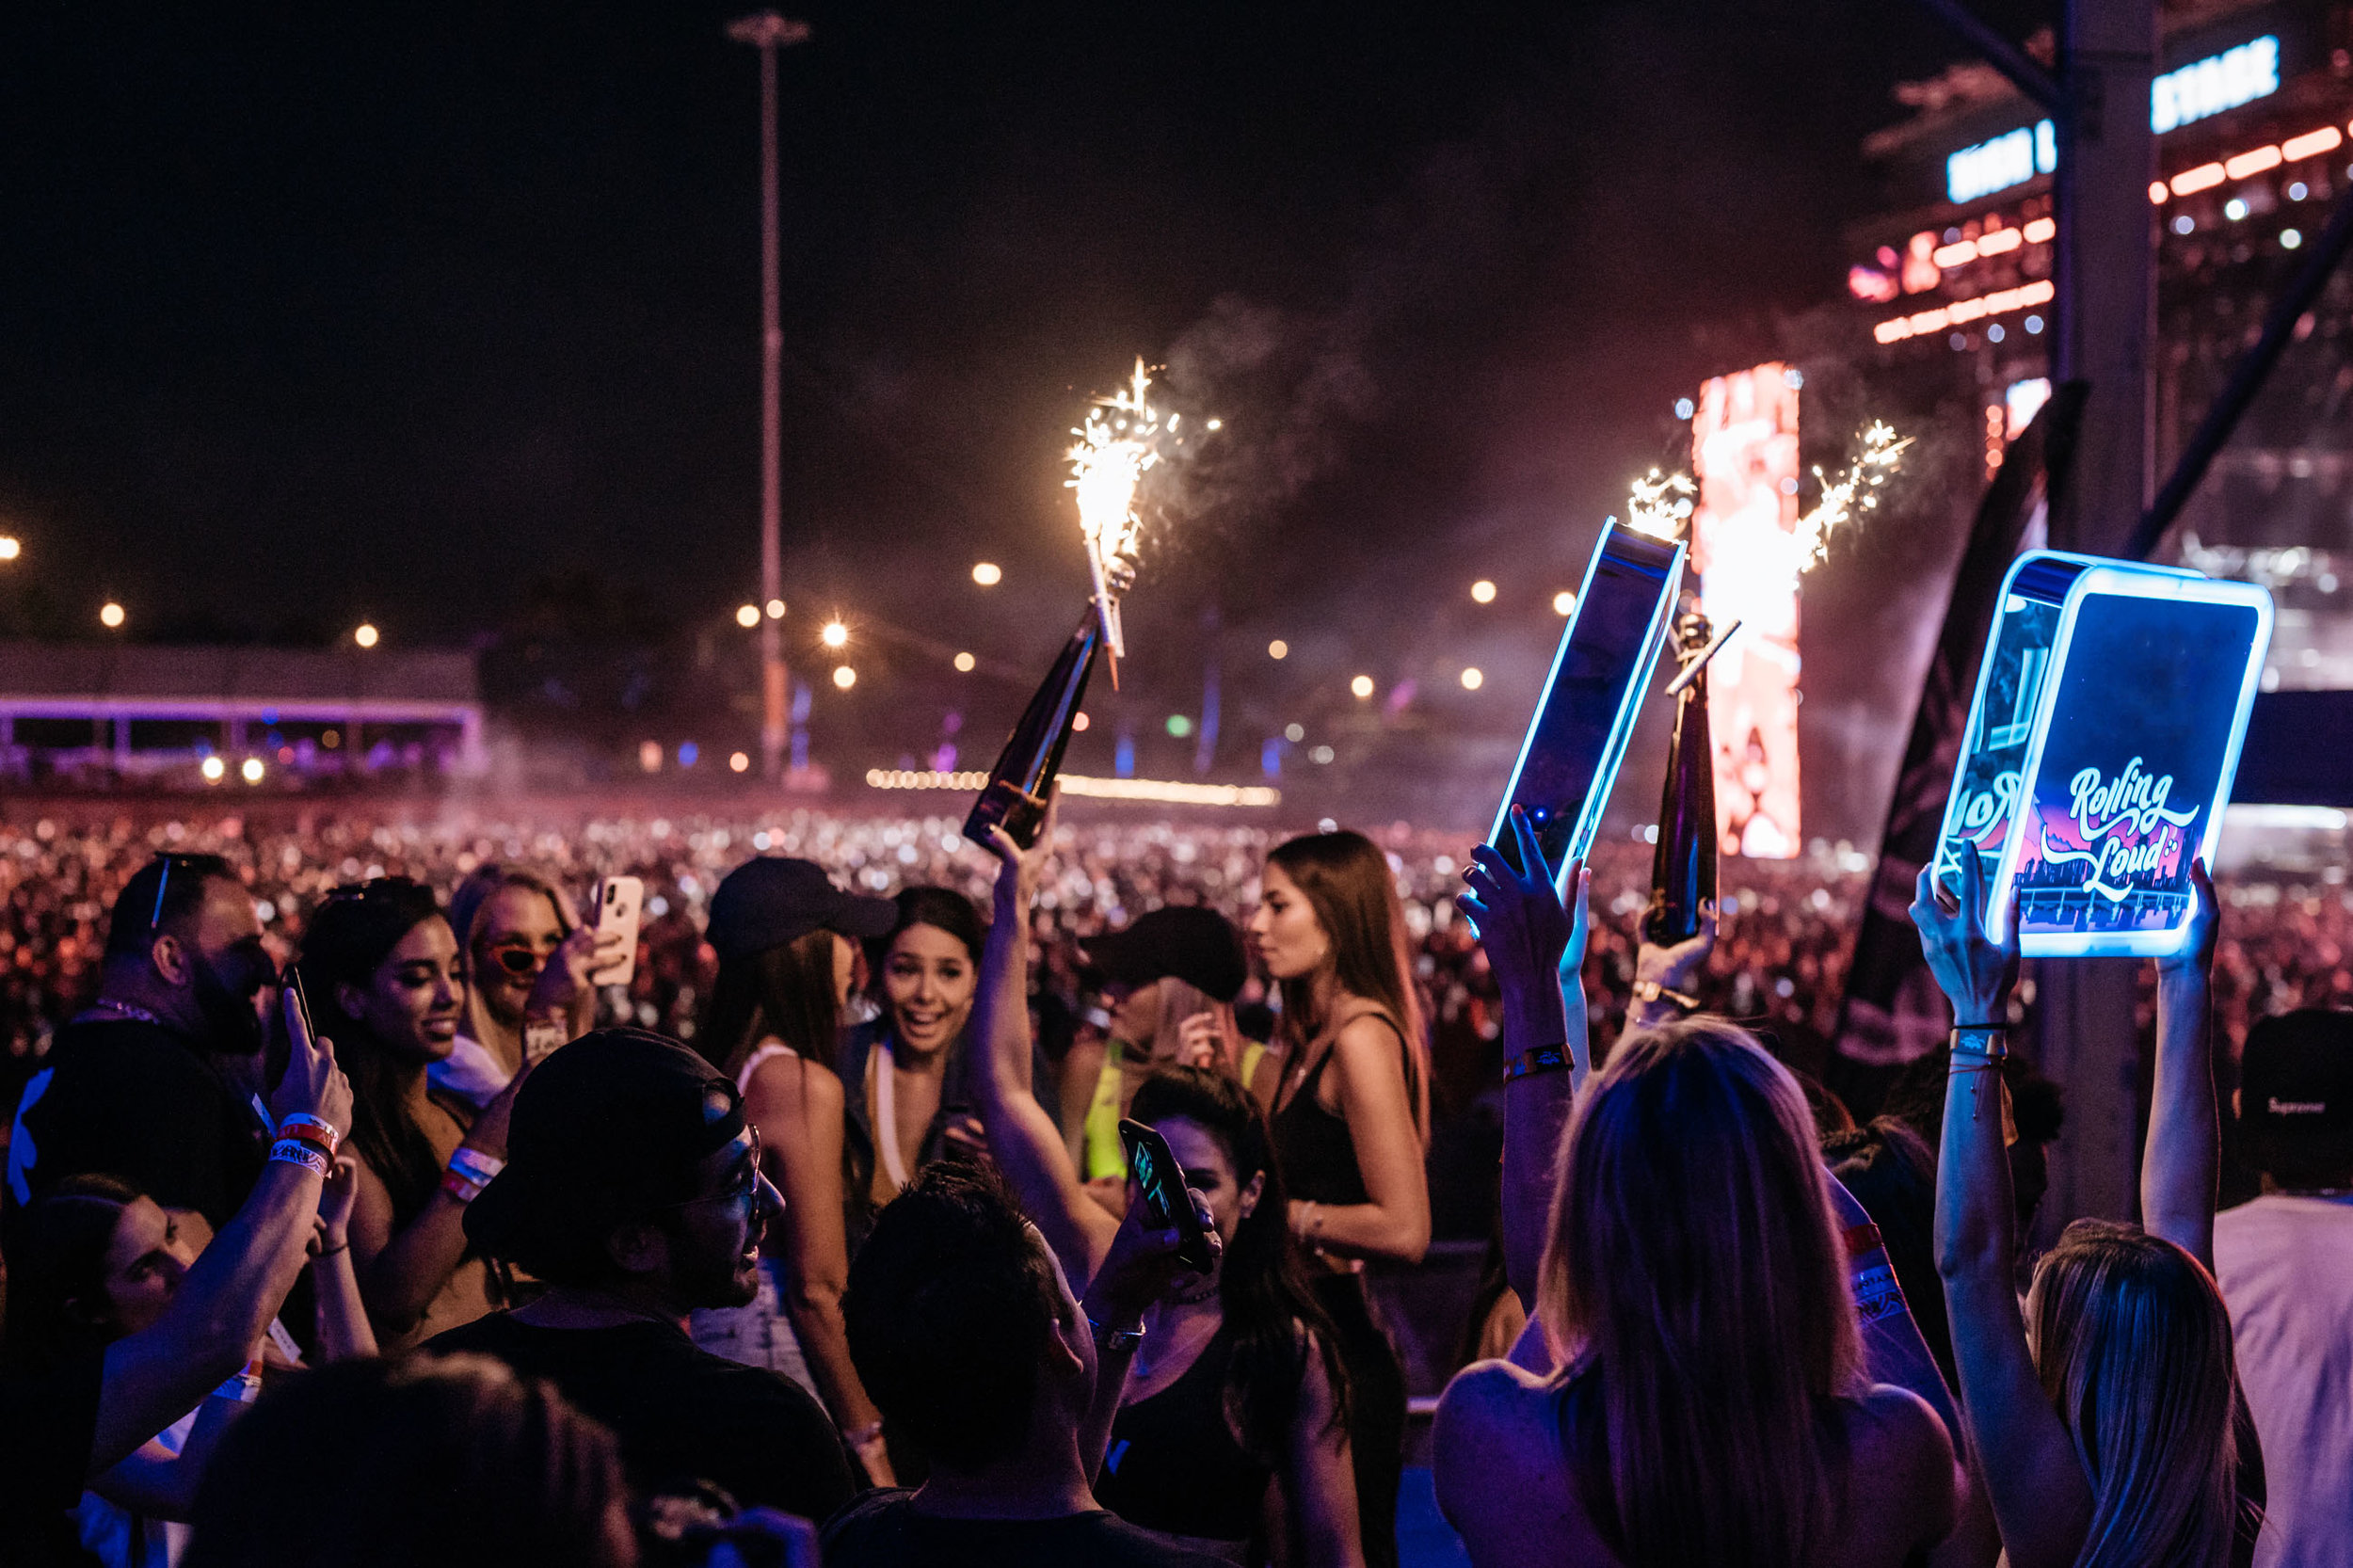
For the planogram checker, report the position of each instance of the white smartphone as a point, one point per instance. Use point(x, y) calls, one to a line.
point(619, 899)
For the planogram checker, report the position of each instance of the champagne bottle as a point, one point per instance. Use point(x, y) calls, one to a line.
point(1016, 792)
point(1682, 867)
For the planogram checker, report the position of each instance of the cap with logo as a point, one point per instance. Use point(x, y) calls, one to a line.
point(2296, 1078)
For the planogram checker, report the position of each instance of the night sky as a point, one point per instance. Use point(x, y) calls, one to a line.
point(317, 314)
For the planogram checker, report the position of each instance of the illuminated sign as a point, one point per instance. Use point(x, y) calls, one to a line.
point(2217, 83)
point(2200, 88)
point(1744, 449)
point(2100, 747)
point(2010, 159)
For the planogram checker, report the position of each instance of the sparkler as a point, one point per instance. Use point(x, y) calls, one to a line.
point(1857, 491)
point(1117, 446)
point(1661, 504)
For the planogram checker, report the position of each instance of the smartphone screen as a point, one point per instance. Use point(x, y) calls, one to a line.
point(1570, 758)
point(1160, 1186)
point(301, 1001)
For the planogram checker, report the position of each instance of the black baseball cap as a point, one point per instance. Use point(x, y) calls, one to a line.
point(771, 900)
point(1186, 941)
point(2296, 1077)
point(607, 1125)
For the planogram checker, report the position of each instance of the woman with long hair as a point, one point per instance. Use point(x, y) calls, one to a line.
point(1708, 1306)
point(786, 939)
point(2103, 1420)
point(526, 961)
point(97, 1259)
point(1350, 1118)
point(383, 971)
point(1232, 1432)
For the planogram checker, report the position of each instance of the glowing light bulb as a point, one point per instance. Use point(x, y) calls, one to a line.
point(1362, 686)
point(1563, 603)
point(9, 548)
point(1482, 592)
point(987, 573)
point(110, 616)
point(776, 609)
point(835, 635)
point(214, 770)
point(252, 770)
point(964, 663)
point(747, 616)
point(1278, 649)
point(1473, 678)
point(364, 634)
point(844, 677)
point(738, 763)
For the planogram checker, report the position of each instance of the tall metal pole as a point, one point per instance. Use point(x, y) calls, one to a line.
point(2106, 317)
point(766, 31)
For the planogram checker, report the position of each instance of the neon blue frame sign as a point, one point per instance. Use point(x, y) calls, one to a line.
point(2178, 97)
point(2102, 745)
point(1578, 736)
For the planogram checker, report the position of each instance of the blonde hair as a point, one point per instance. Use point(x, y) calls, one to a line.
point(466, 908)
point(2134, 1347)
point(1696, 1282)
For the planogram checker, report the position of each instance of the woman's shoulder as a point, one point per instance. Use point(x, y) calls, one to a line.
point(1898, 1447)
point(774, 1070)
point(1489, 1397)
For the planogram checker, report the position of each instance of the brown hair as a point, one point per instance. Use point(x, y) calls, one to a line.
point(1346, 879)
point(2134, 1347)
point(1696, 1280)
point(786, 991)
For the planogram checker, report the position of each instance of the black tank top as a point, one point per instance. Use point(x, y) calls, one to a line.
point(1315, 1146)
point(1174, 1465)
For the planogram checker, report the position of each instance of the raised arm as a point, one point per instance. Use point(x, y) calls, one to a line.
point(1022, 1138)
point(2041, 1499)
point(2180, 1164)
point(1536, 948)
point(157, 1375)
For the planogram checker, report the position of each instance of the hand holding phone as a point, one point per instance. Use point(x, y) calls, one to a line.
point(620, 904)
point(1167, 1202)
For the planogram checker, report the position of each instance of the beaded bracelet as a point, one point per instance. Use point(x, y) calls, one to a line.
point(294, 1151)
point(1537, 1059)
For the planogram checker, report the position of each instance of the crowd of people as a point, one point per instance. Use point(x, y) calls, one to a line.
point(916, 1201)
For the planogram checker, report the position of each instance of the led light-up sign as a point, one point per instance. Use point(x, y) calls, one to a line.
point(1578, 735)
point(2102, 743)
point(2217, 83)
point(2010, 159)
point(2204, 88)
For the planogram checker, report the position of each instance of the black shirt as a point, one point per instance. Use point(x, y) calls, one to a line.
point(48, 1421)
point(881, 1530)
point(120, 1097)
point(681, 1413)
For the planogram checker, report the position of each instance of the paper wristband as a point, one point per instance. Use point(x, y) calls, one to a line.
point(475, 1166)
point(1877, 1294)
point(244, 1388)
point(1862, 1238)
point(311, 1130)
point(1539, 1058)
point(295, 1152)
point(457, 1186)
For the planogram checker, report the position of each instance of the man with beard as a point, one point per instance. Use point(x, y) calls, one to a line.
point(158, 1079)
point(632, 1187)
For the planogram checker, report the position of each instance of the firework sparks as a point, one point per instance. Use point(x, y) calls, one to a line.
point(1856, 491)
point(1117, 446)
point(1660, 505)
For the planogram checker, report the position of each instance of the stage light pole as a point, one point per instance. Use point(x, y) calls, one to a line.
point(766, 32)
